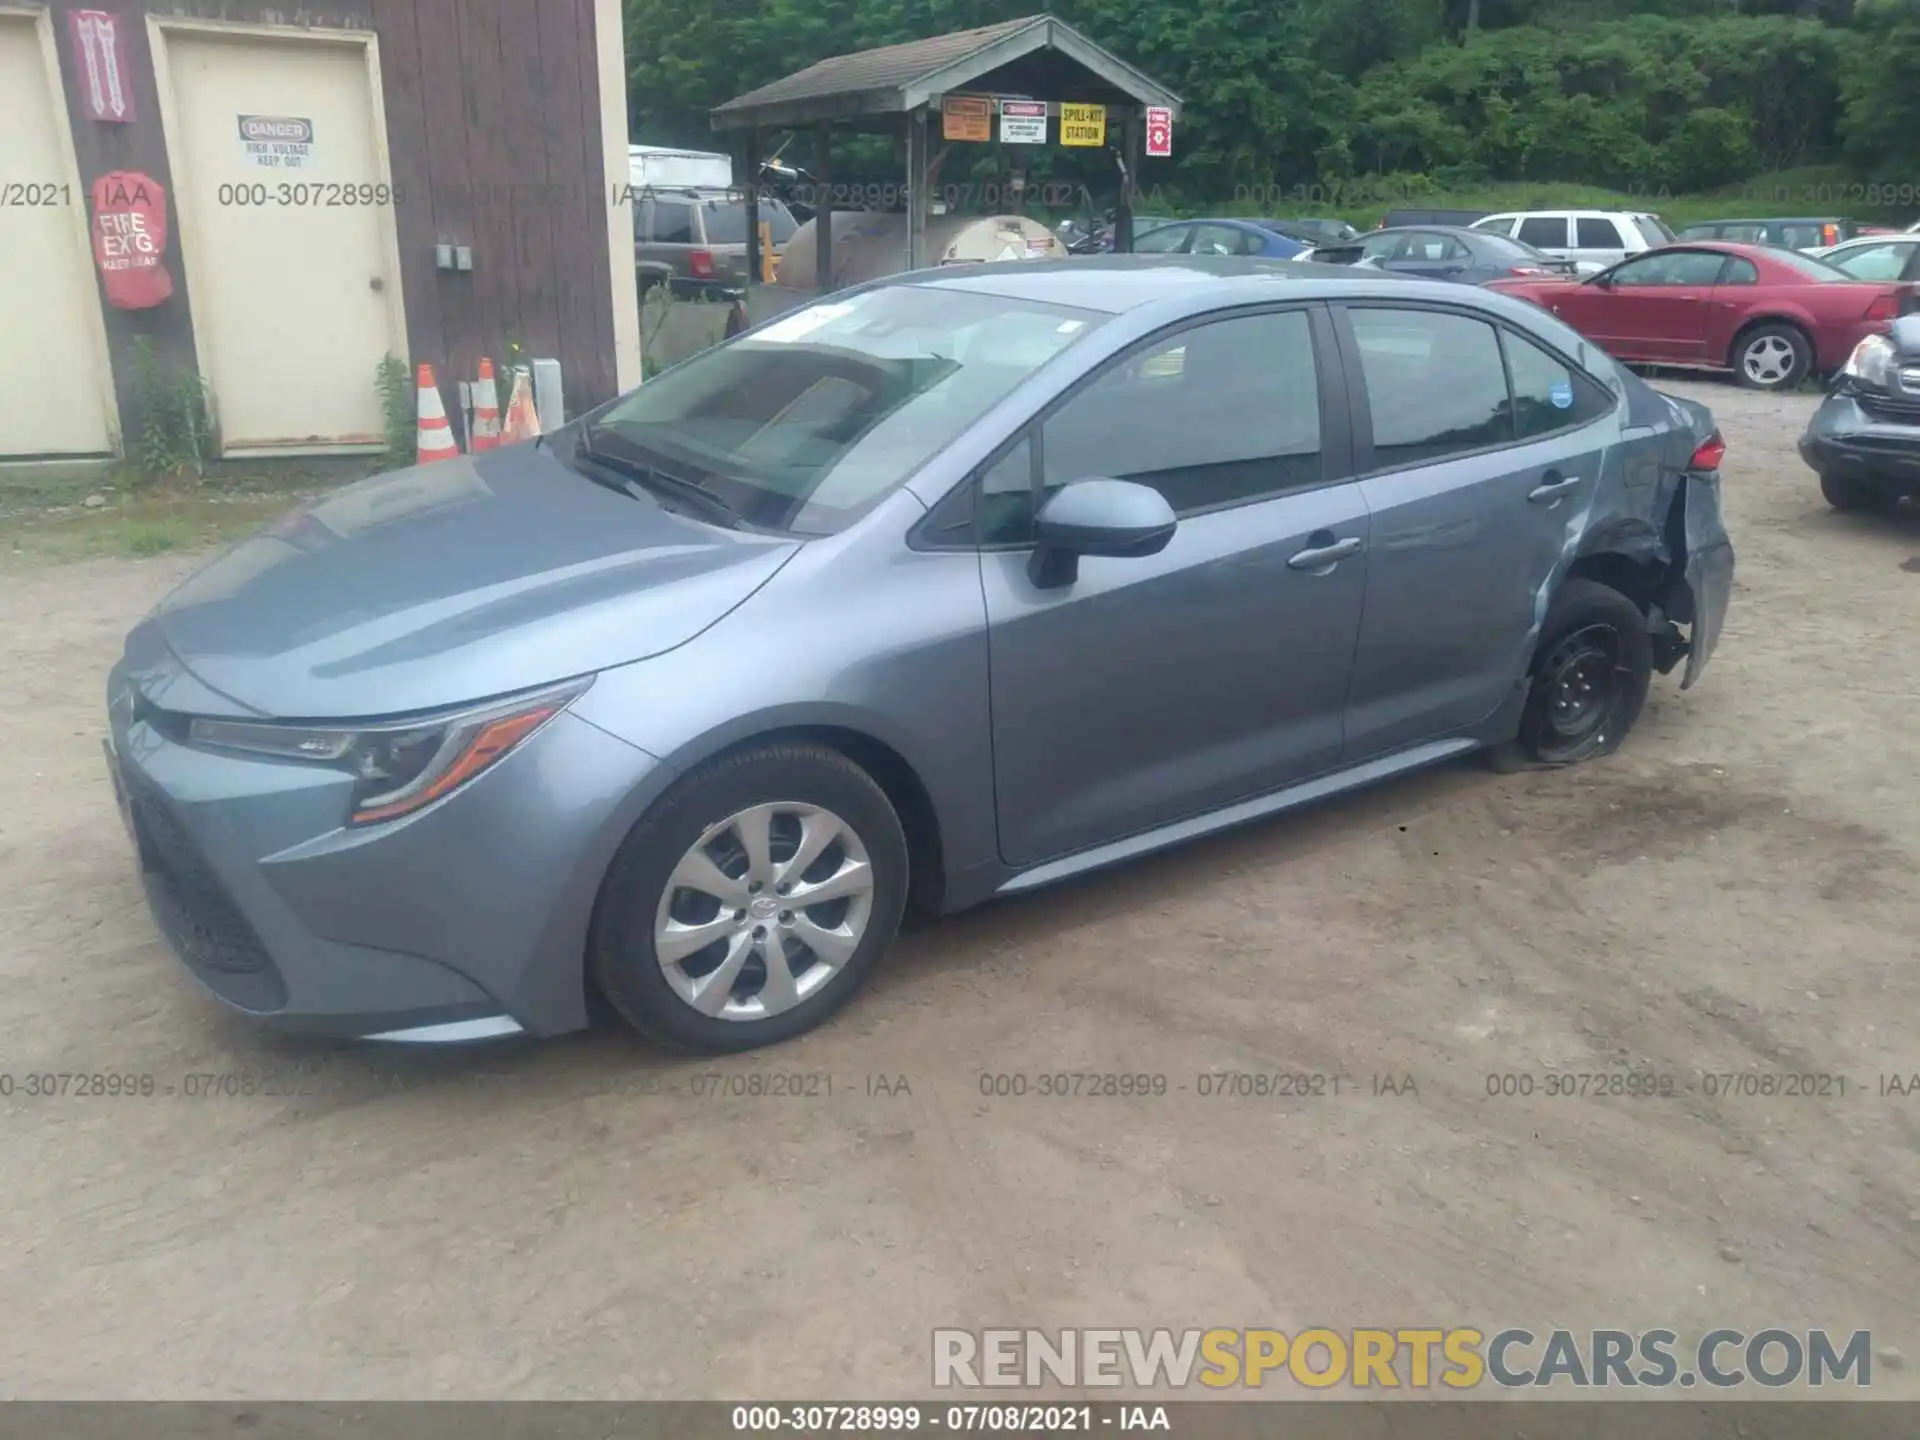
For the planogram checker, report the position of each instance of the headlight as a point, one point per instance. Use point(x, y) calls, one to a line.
point(402, 766)
point(1871, 363)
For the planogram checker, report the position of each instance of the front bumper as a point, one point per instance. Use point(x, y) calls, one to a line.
point(463, 921)
point(1844, 438)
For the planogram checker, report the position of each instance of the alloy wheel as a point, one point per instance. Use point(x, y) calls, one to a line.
point(1769, 360)
point(764, 910)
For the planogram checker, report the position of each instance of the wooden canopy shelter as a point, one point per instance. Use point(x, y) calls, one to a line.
point(901, 90)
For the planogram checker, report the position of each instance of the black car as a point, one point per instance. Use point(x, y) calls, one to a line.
point(1401, 219)
point(1446, 252)
point(1864, 440)
point(1796, 233)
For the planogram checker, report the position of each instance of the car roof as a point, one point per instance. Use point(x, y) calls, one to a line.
point(1432, 229)
point(1776, 220)
point(1114, 284)
point(1576, 214)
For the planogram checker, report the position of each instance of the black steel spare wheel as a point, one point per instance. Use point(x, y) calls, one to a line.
point(1590, 680)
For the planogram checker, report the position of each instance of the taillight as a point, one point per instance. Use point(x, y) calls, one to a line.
point(1884, 307)
point(1829, 234)
point(1712, 451)
point(1526, 270)
point(701, 262)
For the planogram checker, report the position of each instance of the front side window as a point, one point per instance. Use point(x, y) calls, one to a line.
point(1436, 385)
point(808, 421)
point(1671, 267)
point(1219, 414)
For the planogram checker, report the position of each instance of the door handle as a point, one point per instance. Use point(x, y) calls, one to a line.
point(1552, 488)
point(1329, 552)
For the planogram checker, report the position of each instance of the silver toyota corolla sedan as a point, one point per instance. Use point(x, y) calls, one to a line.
point(945, 587)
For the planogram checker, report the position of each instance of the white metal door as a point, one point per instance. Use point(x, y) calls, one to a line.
point(280, 176)
point(54, 395)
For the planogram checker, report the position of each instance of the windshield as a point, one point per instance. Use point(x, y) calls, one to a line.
point(1808, 266)
point(727, 221)
point(808, 421)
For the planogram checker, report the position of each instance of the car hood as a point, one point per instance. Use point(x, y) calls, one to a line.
point(453, 582)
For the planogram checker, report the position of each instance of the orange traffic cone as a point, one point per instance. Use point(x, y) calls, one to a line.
point(435, 434)
point(523, 421)
point(486, 411)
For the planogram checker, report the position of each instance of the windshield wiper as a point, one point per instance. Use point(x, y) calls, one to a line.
point(637, 479)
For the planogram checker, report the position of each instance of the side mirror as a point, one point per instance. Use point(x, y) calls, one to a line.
point(1096, 517)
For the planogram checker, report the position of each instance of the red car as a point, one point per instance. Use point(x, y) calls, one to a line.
point(1770, 316)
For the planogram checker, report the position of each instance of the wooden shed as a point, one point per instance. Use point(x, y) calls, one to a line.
point(274, 199)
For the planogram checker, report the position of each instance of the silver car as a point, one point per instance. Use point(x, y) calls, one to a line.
point(941, 588)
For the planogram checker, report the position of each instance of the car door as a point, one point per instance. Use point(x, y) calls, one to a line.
point(1473, 482)
point(1158, 687)
point(1653, 308)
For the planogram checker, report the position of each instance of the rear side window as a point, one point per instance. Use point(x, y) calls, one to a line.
point(1436, 384)
point(1739, 272)
point(1596, 232)
point(1544, 232)
point(672, 223)
point(1548, 394)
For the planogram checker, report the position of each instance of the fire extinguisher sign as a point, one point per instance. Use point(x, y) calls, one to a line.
point(1159, 130)
point(130, 239)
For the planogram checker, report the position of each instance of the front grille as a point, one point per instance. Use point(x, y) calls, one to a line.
point(189, 901)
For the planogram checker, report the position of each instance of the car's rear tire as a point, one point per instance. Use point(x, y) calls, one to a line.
point(1588, 681)
point(705, 893)
point(1856, 492)
point(1775, 356)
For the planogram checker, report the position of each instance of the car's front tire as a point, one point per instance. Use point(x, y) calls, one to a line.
point(752, 901)
point(1588, 682)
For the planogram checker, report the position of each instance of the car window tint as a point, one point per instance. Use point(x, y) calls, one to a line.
point(1221, 413)
point(1435, 384)
point(672, 223)
point(1873, 262)
point(1671, 267)
point(1801, 237)
point(1548, 394)
point(1382, 247)
point(1163, 241)
point(1545, 232)
point(1739, 272)
point(1596, 232)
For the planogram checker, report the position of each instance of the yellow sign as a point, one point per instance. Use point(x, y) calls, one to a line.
point(966, 117)
point(1083, 124)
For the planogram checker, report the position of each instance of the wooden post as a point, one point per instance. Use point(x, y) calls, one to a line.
point(756, 259)
point(1130, 162)
point(823, 213)
point(919, 202)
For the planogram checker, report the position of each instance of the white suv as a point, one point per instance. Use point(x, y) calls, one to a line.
point(1592, 239)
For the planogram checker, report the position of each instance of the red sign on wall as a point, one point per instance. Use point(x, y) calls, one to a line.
point(100, 60)
point(130, 239)
point(1159, 130)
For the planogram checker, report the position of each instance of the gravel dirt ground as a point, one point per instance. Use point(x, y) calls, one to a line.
point(1734, 893)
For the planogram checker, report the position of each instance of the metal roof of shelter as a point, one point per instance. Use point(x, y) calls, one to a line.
point(1038, 55)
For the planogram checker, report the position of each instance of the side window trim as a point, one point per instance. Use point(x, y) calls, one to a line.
point(1338, 450)
point(1359, 402)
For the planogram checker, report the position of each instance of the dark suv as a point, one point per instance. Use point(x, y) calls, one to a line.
point(697, 239)
point(1799, 233)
